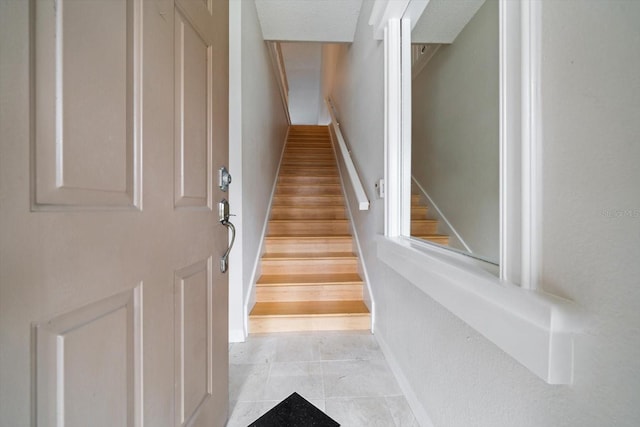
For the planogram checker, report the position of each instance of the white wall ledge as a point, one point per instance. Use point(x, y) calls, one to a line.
point(535, 328)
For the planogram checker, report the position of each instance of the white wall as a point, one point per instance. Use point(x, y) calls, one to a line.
point(257, 132)
point(591, 217)
point(455, 141)
point(303, 63)
point(330, 55)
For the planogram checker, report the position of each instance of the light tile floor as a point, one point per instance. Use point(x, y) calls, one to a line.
point(342, 373)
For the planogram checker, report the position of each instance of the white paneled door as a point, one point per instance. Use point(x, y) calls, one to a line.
point(114, 122)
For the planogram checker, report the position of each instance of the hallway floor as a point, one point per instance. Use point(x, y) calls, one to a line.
point(342, 373)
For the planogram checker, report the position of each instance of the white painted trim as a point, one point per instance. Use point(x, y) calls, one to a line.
point(419, 411)
point(236, 273)
point(383, 11)
point(535, 328)
point(531, 145)
point(250, 299)
point(405, 127)
point(441, 216)
point(362, 267)
point(510, 147)
point(352, 173)
point(393, 130)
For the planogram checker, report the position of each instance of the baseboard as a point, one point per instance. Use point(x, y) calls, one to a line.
point(418, 409)
point(237, 335)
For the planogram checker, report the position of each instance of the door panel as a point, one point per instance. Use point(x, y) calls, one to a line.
point(193, 344)
point(112, 307)
point(81, 159)
point(67, 347)
point(193, 121)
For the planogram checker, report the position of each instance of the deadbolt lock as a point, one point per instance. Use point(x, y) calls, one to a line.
point(224, 179)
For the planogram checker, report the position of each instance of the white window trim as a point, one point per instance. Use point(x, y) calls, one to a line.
point(512, 311)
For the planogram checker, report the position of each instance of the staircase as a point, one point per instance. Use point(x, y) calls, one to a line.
point(310, 279)
point(421, 226)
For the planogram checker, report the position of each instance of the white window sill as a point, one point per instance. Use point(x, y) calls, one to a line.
point(535, 328)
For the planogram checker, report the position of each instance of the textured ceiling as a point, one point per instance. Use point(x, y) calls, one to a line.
point(308, 20)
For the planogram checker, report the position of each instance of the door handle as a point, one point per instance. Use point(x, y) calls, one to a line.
point(223, 217)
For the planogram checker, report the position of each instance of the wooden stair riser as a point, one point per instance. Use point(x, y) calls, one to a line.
point(310, 228)
point(308, 130)
point(296, 135)
point(306, 153)
point(300, 159)
point(309, 316)
point(305, 170)
point(309, 190)
point(298, 153)
point(302, 200)
point(309, 144)
point(419, 212)
point(308, 179)
point(309, 171)
point(305, 148)
point(309, 266)
point(322, 292)
point(424, 227)
point(346, 322)
point(303, 133)
point(292, 245)
point(314, 212)
point(308, 163)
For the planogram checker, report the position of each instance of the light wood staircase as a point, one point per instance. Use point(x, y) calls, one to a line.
point(421, 226)
point(309, 272)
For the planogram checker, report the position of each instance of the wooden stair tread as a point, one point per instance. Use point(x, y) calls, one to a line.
point(308, 180)
point(297, 168)
point(312, 238)
point(310, 255)
point(287, 171)
point(311, 197)
point(301, 206)
point(302, 235)
point(309, 308)
point(308, 244)
point(309, 279)
point(310, 221)
point(313, 185)
point(312, 292)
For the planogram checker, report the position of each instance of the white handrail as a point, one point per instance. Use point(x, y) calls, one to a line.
point(358, 189)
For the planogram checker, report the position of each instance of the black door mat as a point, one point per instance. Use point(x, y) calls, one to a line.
point(294, 411)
